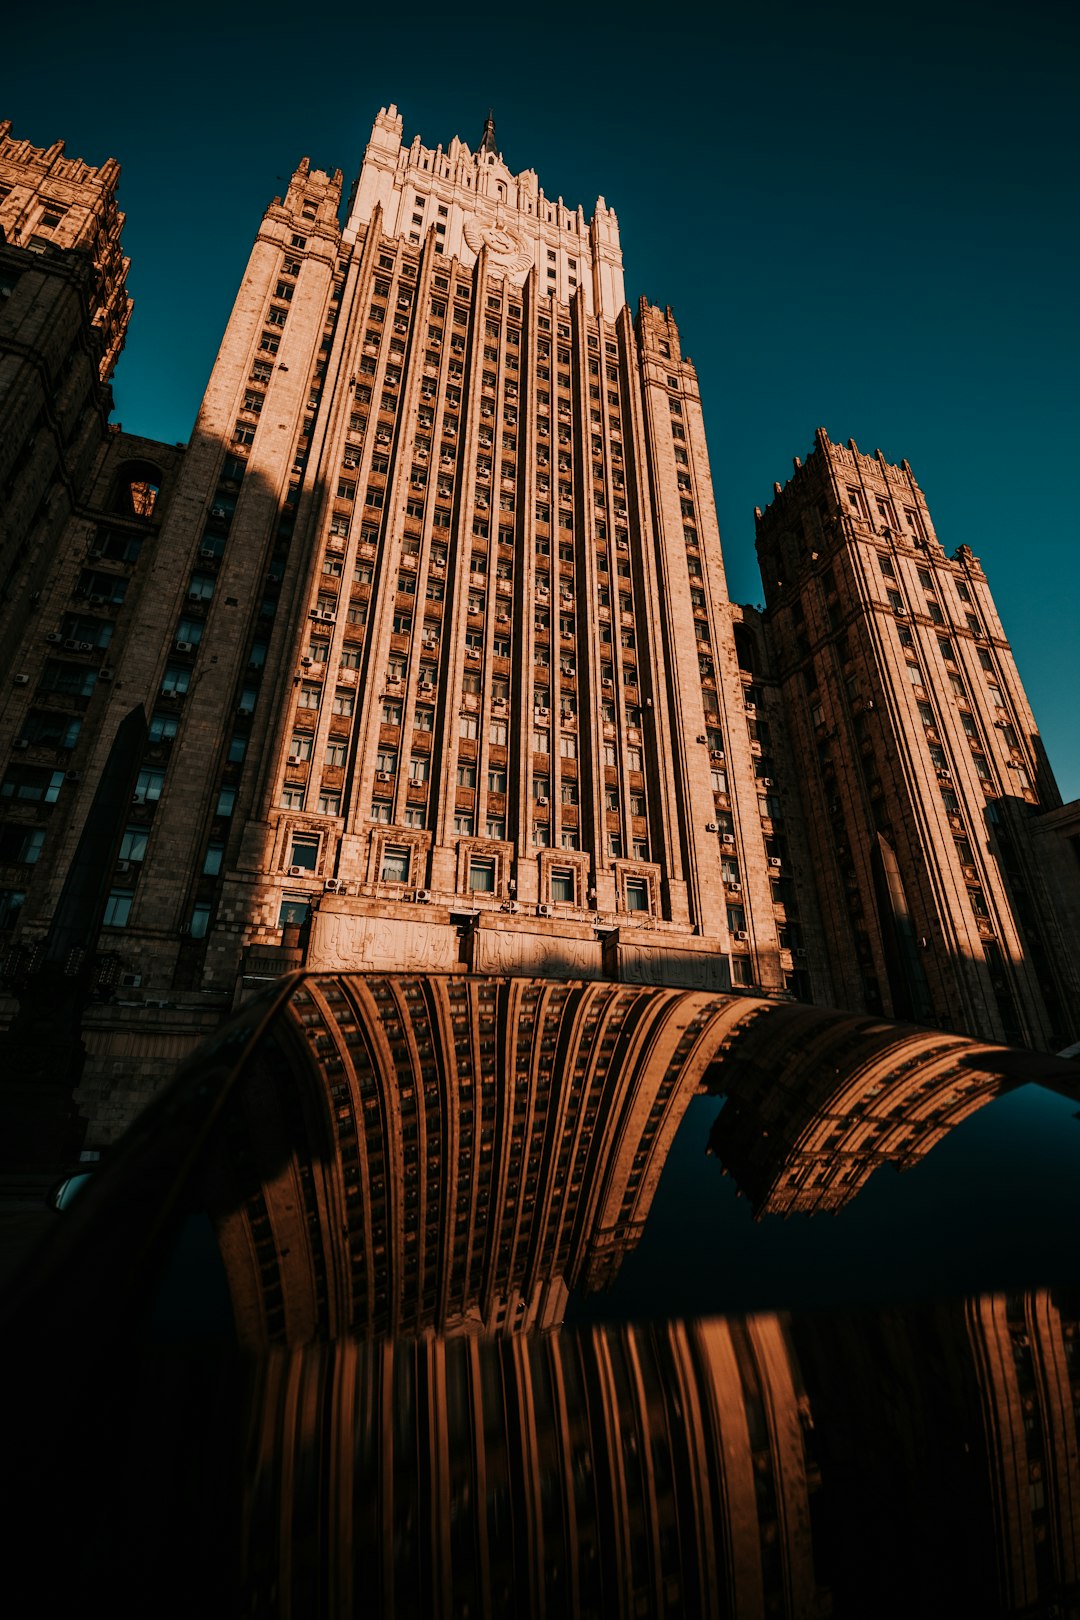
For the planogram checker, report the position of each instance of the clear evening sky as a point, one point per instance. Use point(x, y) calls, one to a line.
point(863, 217)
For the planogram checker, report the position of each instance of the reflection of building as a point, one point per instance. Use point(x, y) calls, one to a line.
point(1027, 1351)
point(485, 1144)
point(617, 1472)
point(947, 1442)
point(907, 1463)
point(816, 1102)
point(431, 627)
point(922, 764)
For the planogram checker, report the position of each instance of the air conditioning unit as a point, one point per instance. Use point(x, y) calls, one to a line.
point(138, 798)
point(740, 933)
point(306, 663)
point(54, 638)
point(70, 644)
point(22, 680)
point(86, 646)
point(208, 554)
point(194, 596)
point(542, 798)
point(735, 888)
point(901, 612)
point(511, 906)
point(123, 866)
point(382, 776)
point(751, 708)
point(105, 673)
point(313, 613)
point(333, 885)
point(21, 743)
point(73, 776)
point(716, 753)
point(766, 781)
point(473, 652)
point(727, 838)
point(95, 554)
point(712, 826)
point(545, 911)
point(294, 759)
point(774, 860)
point(543, 713)
point(800, 951)
point(329, 616)
point(297, 871)
point(131, 981)
point(98, 601)
point(218, 512)
point(423, 897)
point(183, 646)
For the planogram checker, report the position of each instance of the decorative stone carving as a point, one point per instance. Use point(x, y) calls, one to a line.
point(657, 964)
point(541, 955)
point(340, 941)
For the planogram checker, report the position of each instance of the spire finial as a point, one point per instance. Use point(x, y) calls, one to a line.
point(488, 142)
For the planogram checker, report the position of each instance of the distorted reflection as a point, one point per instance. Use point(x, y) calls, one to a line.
point(321, 1313)
point(444, 1153)
point(744, 1468)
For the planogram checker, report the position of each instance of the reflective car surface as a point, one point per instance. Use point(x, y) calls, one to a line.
point(465, 1296)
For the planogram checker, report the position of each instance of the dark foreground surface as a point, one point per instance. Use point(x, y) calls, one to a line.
point(468, 1297)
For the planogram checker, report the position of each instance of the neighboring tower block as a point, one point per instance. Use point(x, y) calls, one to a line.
point(924, 767)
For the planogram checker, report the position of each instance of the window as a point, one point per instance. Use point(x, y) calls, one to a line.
point(329, 804)
point(482, 877)
point(118, 908)
point(496, 827)
point(637, 894)
point(294, 911)
point(466, 776)
point(215, 854)
point(498, 733)
point(395, 864)
point(463, 826)
point(22, 845)
point(497, 780)
point(304, 851)
point(567, 745)
point(562, 886)
point(468, 726)
point(292, 798)
point(343, 701)
point(200, 920)
point(419, 768)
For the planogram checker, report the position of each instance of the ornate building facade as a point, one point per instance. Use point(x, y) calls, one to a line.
point(430, 629)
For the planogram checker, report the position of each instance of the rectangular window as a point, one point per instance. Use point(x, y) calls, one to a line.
point(482, 876)
point(395, 865)
point(304, 851)
point(562, 886)
point(118, 908)
point(637, 894)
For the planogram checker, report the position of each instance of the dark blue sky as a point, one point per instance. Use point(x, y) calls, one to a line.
point(864, 218)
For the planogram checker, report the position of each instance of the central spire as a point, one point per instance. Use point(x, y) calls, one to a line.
point(488, 142)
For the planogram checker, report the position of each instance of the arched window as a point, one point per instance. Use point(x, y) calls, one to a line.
point(135, 490)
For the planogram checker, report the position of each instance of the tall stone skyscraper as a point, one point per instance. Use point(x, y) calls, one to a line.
point(430, 627)
point(925, 770)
